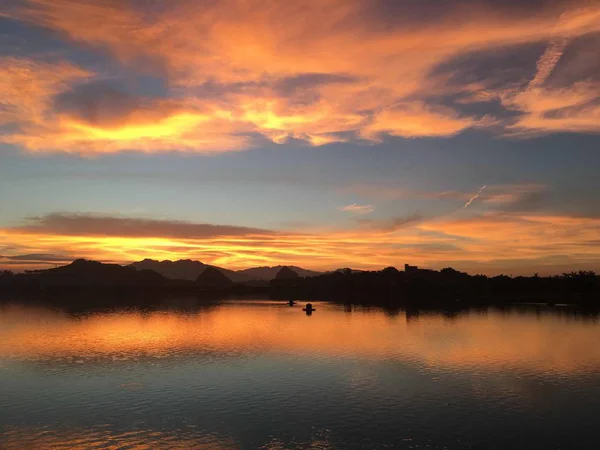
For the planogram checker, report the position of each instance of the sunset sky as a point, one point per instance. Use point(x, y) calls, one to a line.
point(319, 133)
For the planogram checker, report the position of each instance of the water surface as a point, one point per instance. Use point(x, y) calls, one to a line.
point(261, 374)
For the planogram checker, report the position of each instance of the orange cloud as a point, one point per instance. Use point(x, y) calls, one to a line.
point(191, 130)
point(417, 120)
point(487, 243)
point(548, 61)
point(540, 240)
point(232, 40)
point(28, 87)
point(547, 110)
point(315, 71)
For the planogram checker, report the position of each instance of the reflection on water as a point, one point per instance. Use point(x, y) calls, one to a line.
point(264, 375)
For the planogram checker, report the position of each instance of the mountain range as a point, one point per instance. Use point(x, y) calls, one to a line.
point(269, 273)
point(187, 269)
point(183, 274)
point(84, 273)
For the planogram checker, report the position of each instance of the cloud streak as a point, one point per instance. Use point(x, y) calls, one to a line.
point(28, 87)
point(548, 61)
point(358, 209)
point(99, 225)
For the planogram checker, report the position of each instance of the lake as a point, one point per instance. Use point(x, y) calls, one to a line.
point(263, 375)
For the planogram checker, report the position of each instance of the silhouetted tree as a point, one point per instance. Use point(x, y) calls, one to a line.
point(6, 277)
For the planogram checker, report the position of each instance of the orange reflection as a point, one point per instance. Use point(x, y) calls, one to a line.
point(17, 437)
point(493, 341)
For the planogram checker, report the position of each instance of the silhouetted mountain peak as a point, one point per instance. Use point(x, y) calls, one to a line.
point(213, 278)
point(186, 269)
point(175, 270)
point(285, 273)
point(86, 273)
point(270, 272)
point(83, 262)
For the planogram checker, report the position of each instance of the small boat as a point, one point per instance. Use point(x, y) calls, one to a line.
point(308, 308)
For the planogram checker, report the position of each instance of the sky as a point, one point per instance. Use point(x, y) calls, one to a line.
point(317, 133)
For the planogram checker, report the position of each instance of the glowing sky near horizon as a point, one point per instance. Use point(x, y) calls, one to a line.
point(321, 133)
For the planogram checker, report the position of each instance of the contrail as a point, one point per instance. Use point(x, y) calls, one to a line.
point(472, 199)
point(548, 61)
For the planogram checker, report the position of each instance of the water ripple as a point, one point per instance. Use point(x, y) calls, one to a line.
point(261, 375)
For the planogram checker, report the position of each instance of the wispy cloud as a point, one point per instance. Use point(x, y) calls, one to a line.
point(102, 225)
point(548, 61)
point(240, 72)
point(574, 108)
point(28, 88)
point(505, 197)
point(476, 196)
point(548, 109)
point(490, 242)
point(417, 120)
point(358, 209)
point(34, 259)
point(392, 224)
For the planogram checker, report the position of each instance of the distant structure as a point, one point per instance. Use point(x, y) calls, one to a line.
point(410, 269)
point(414, 271)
